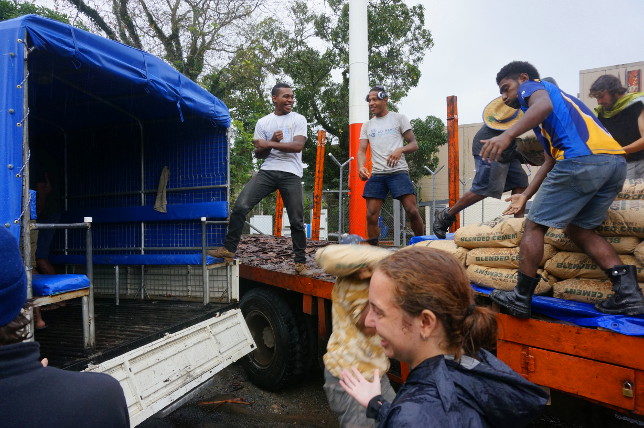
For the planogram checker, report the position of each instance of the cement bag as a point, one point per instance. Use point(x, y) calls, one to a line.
point(498, 233)
point(633, 189)
point(446, 245)
point(584, 290)
point(345, 260)
point(639, 253)
point(503, 257)
point(624, 218)
point(566, 265)
point(503, 279)
point(621, 244)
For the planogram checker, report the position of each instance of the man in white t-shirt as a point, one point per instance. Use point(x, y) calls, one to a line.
point(279, 139)
point(386, 133)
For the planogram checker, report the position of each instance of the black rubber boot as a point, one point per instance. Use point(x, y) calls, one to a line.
point(627, 298)
point(442, 223)
point(517, 301)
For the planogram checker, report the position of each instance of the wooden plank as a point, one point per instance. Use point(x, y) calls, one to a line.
point(300, 284)
point(48, 300)
point(579, 376)
point(584, 342)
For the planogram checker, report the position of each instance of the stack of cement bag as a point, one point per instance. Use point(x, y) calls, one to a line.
point(580, 278)
point(493, 253)
point(490, 251)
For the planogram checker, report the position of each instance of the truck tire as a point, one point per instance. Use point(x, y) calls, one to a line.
point(279, 357)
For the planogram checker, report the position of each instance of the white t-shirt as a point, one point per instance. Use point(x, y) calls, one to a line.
point(385, 134)
point(290, 124)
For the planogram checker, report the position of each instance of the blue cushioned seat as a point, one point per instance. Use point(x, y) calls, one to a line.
point(134, 259)
point(49, 285)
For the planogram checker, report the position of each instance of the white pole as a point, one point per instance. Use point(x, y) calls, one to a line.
point(358, 61)
point(358, 109)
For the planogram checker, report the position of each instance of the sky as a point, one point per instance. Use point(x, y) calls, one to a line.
point(474, 39)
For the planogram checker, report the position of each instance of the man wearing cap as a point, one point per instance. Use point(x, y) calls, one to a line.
point(386, 133)
point(623, 116)
point(491, 178)
point(583, 171)
point(32, 393)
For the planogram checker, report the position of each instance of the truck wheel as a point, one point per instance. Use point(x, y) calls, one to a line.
point(278, 358)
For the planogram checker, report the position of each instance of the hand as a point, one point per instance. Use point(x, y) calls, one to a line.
point(517, 203)
point(44, 362)
point(277, 136)
point(394, 157)
point(360, 388)
point(364, 173)
point(493, 148)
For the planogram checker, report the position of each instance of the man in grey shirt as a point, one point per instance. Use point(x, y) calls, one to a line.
point(386, 133)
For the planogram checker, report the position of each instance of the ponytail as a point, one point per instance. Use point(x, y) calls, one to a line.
point(479, 331)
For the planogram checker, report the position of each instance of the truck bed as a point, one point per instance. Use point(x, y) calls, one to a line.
point(119, 329)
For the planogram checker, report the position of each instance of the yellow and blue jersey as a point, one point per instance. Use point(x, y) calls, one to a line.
point(571, 129)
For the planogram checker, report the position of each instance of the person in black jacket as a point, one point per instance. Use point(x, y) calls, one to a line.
point(422, 306)
point(33, 394)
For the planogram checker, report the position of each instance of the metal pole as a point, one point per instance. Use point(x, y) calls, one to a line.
point(433, 175)
point(396, 204)
point(341, 166)
point(358, 108)
point(117, 289)
point(89, 327)
point(25, 230)
point(204, 271)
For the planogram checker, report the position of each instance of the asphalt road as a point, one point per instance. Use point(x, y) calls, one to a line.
point(304, 405)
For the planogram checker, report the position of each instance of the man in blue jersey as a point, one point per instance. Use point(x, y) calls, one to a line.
point(583, 172)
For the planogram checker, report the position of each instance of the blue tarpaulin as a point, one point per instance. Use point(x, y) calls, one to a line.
point(78, 79)
point(582, 314)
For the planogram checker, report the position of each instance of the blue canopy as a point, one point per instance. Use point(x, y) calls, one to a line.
point(78, 79)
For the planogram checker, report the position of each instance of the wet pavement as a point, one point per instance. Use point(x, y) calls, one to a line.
point(303, 405)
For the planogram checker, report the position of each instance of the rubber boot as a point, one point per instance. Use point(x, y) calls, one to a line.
point(627, 298)
point(517, 301)
point(442, 223)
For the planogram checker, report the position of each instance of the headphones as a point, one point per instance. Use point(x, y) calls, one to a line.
point(382, 93)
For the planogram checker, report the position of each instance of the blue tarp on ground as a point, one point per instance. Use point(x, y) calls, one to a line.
point(582, 314)
point(134, 82)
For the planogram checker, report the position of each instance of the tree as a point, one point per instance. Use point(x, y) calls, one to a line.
point(430, 134)
point(315, 57)
point(14, 9)
point(186, 33)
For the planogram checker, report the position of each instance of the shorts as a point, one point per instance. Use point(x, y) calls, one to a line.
point(493, 178)
point(578, 191)
point(380, 185)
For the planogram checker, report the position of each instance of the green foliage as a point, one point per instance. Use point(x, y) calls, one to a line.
point(313, 55)
point(13, 9)
point(430, 134)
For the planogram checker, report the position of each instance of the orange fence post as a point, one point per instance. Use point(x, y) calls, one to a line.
point(452, 156)
point(317, 187)
point(279, 208)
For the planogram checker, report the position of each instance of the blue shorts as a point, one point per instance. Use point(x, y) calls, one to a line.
point(379, 186)
point(578, 191)
point(493, 178)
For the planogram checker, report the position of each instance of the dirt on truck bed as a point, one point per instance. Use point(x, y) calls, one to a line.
point(275, 253)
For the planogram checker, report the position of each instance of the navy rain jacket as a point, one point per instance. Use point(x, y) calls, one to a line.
point(440, 392)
